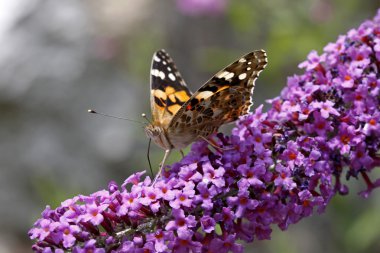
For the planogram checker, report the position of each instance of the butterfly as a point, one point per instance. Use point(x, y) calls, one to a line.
point(180, 117)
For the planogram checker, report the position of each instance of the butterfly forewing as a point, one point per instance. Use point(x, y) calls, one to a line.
point(224, 98)
point(168, 89)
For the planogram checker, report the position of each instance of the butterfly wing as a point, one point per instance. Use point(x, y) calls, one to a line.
point(168, 89)
point(222, 99)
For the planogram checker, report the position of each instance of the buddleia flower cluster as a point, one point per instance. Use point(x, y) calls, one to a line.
point(275, 168)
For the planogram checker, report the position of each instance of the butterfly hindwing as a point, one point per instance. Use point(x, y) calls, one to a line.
point(222, 99)
point(168, 89)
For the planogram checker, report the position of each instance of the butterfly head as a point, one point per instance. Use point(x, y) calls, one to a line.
point(158, 135)
point(153, 131)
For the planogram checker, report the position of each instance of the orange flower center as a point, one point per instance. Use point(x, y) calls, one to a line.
point(183, 243)
point(292, 156)
point(345, 139)
point(66, 231)
point(243, 200)
point(159, 236)
point(320, 125)
point(360, 57)
point(181, 222)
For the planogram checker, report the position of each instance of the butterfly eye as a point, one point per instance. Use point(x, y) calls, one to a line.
point(157, 131)
point(153, 131)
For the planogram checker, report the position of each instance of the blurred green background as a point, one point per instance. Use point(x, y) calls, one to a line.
point(59, 58)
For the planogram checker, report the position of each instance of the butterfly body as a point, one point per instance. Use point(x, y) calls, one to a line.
point(180, 117)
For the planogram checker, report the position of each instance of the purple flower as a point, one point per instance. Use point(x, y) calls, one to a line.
point(259, 139)
point(227, 245)
point(284, 178)
point(189, 171)
point(151, 198)
point(159, 239)
point(94, 213)
point(346, 139)
point(326, 108)
point(242, 202)
point(345, 80)
point(321, 126)
point(208, 224)
point(89, 246)
point(292, 155)
point(360, 158)
point(165, 189)
point(226, 217)
point(313, 60)
point(205, 196)
point(68, 233)
point(253, 174)
point(181, 222)
point(184, 243)
point(183, 198)
point(44, 227)
point(130, 202)
point(372, 124)
point(214, 176)
point(312, 163)
point(377, 48)
point(133, 179)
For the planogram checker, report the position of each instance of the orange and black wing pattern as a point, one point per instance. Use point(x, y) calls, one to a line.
point(222, 99)
point(168, 89)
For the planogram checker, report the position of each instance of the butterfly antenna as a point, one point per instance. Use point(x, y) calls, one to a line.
point(115, 117)
point(148, 156)
point(146, 118)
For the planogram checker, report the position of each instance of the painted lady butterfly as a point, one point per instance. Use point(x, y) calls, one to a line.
point(180, 117)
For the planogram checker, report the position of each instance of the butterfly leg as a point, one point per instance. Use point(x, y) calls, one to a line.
point(183, 155)
point(167, 153)
point(213, 144)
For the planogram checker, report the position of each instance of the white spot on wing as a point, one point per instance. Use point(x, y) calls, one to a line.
point(164, 62)
point(157, 73)
point(162, 75)
point(242, 60)
point(223, 74)
point(172, 77)
point(154, 72)
point(226, 75)
point(229, 76)
point(242, 76)
point(156, 58)
point(249, 63)
point(169, 68)
point(204, 94)
point(249, 68)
